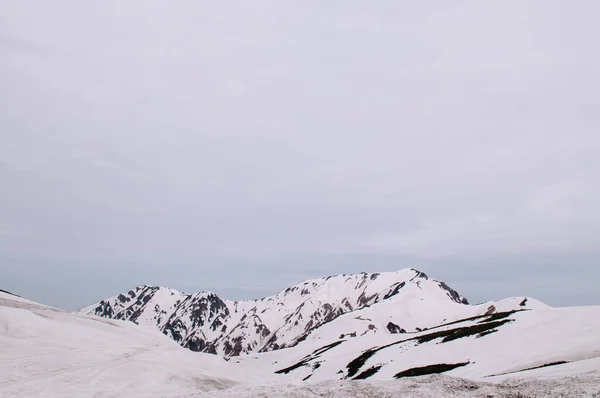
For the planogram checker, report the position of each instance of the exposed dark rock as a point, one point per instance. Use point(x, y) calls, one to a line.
point(262, 330)
point(491, 309)
point(533, 368)
point(430, 369)
point(481, 318)
point(486, 332)
point(446, 336)
point(393, 328)
point(300, 339)
point(271, 344)
point(309, 325)
point(367, 373)
point(453, 294)
point(176, 328)
point(104, 309)
point(189, 318)
point(12, 294)
point(233, 348)
point(458, 333)
point(395, 290)
point(363, 299)
point(418, 274)
point(355, 365)
point(331, 315)
point(315, 354)
point(497, 316)
point(122, 298)
point(524, 302)
point(196, 343)
point(327, 347)
point(291, 368)
point(347, 304)
point(216, 324)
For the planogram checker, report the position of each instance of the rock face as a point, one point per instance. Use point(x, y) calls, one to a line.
point(393, 328)
point(205, 322)
point(12, 294)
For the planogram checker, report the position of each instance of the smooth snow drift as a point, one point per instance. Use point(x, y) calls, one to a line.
point(47, 352)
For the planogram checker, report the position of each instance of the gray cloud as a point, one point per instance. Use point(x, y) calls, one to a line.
point(243, 147)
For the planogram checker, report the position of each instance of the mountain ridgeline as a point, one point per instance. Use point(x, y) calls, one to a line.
point(392, 326)
point(207, 323)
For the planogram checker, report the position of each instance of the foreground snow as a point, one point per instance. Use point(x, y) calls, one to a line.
point(582, 386)
point(47, 352)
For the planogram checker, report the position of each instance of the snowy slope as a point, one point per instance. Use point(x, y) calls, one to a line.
point(205, 322)
point(492, 347)
point(410, 316)
point(47, 352)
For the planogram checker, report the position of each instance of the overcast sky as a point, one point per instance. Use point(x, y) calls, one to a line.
point(244, 146)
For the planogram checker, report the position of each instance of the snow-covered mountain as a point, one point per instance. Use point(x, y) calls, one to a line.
point(511, 338)
point(205, 322)
point(515, 347)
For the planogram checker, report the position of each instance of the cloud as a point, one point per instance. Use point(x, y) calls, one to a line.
point(139, 141)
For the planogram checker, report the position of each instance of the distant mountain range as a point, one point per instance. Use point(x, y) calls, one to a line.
point(377, 328)
point(206, 322)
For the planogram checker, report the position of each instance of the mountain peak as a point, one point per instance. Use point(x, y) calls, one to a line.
point(205, 322)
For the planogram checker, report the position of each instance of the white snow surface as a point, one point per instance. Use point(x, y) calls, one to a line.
point(516, 347)
point(581, 386)
point(521, 340)
point(51, 353)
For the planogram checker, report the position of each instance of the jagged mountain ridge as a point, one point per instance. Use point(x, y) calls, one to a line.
point(205, 322)
point(46, 351)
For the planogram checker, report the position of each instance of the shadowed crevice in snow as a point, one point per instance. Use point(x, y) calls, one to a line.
point(430, 369)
